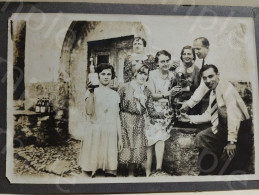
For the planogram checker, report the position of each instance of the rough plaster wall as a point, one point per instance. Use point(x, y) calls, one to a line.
point(44, 39)
point(234, 52)
point(231, 41)
point(18, 37)
point(91, 31)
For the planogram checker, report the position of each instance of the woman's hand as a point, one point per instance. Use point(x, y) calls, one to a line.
point(168, 114)
point(175, 64)
point(175, 90)
point(90, 87)
point(120, 145)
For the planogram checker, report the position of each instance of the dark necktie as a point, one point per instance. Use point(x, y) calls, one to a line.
point(203, 62)
point(214, 112)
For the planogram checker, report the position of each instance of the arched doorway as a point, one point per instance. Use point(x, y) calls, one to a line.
point(105, 40)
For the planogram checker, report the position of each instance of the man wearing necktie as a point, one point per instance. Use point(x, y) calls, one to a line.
point(225, 146)
point(201, 47)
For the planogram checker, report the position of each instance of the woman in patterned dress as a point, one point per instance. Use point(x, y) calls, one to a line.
point(138, 56)
point(136, 103)
point(159, 83)
point(190, 71)
point(188, 74)
point(102, 137)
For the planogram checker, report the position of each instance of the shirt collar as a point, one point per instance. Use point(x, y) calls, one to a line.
point(218, 86)
point(136, 86)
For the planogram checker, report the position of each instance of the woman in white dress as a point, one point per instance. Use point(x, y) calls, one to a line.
point(102, 137)
point(160, 84)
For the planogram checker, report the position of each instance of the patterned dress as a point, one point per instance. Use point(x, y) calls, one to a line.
point(133, 121)
point(131, 60)
point(192, 76)
point(159, 127)
point(99, 149)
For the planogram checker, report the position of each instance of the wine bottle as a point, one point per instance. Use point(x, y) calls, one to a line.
point(47, 105)
point(38, 104)
point(43, 106)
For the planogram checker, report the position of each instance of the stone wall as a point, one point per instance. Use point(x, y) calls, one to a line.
point(37, 129)
point(181, 154)
point(55, 91)
point(54, 123)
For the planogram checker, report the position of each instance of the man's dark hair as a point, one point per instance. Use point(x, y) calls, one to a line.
point(208, 66)
point(142, 39)
point(162, 52)
point(104, 66)
point(205, 41)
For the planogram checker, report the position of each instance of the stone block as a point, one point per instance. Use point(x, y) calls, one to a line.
point(181, 155)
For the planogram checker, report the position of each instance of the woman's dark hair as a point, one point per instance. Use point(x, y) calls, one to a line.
point(140, 38)
point(104, 66)
point(208, 66)
point(188, 47)
point(162, 52)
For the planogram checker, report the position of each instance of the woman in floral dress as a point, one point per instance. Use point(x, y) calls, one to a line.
point(159, 83)
point(189, 73)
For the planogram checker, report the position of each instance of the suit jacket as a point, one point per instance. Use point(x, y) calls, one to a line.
point(231, 108)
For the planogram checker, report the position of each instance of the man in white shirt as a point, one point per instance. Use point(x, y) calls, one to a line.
point(229, 135)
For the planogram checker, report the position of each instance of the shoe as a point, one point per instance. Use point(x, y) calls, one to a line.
point(110, 175)
point(159, 171)
point(87, 173)
point(93, 174)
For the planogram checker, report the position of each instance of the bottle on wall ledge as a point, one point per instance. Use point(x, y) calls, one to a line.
point(48, 109)
point(38, 106)
point(43, 105)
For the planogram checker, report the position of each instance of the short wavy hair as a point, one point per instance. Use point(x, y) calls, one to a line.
point(188, 47)
point(104, 66)
point(140, 68)
point(162, 52)
point(140, 38)
point(208, 66)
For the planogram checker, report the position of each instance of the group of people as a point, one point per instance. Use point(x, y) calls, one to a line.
point(127, 125)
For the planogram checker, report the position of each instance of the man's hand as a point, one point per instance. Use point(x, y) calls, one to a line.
point(184, 118)
point(230, 149)
point(184, 107)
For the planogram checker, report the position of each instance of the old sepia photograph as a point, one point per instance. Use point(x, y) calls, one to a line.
point(95, 98)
